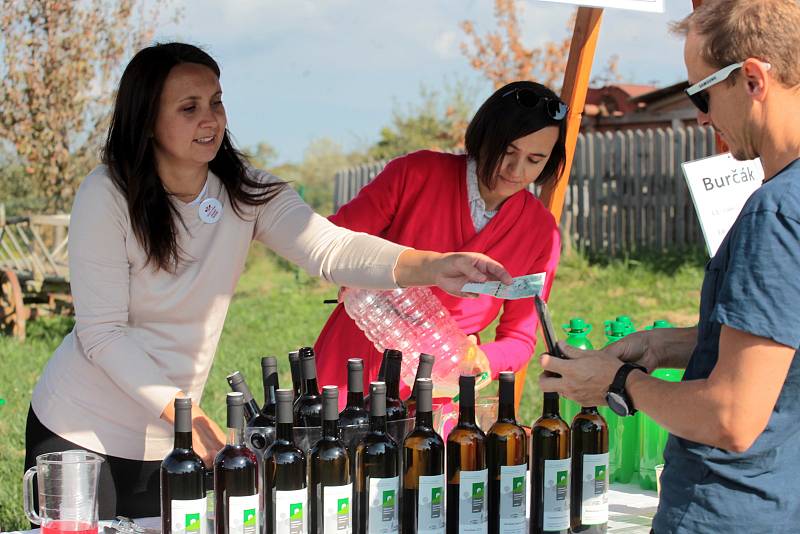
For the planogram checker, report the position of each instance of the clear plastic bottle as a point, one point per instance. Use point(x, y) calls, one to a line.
point(413, 320)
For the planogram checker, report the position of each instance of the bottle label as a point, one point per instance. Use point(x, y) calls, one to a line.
point(336, 509)
point(430, 505)
point(291, 509)
point(556, 494)
point(383, 513)
point(243, 515)
point(472, 513)
point(594, 504)
point(513, 489)
point(189, 516)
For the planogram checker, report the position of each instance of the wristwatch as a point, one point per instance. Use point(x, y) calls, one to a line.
point(617, 397)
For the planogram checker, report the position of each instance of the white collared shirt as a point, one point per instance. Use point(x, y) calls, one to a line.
point(477, 207)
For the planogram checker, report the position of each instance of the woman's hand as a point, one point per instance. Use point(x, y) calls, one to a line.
point(207, 437)
point(448, 271)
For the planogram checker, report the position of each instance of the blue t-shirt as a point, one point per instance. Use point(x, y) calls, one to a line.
point(752, 284)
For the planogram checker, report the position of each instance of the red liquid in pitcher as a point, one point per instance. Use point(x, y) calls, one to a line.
point(68, 527)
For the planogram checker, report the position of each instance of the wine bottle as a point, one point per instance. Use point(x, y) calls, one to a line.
point(238, 505)
point(395, 407)
point(252, 412)
point(466, 467)
point(354, 413)
point(423, 469)
point(424, 370)
point(308, 406)
point(329, 482)
point(297, 372)
point(589, 497)
point(183, 499)
point(269, 375)
point(377, 472)
point(550, 471)
point(507, 459)
point(285, 475)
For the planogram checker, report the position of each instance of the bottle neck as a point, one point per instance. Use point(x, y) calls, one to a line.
point(183, 440)
point(506, 412)
point(377, 423)
point(424, 420)
point(270, 388)
point(330, 428)
point(550, 404)
point(393, 389)
point(310, 387)
point(235, 436)
point(466, 415)
point(355, 399)
point(284, 431)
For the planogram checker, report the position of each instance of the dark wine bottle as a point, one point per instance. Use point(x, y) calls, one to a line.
point(238, 505)
point(589, 498)
point(354, 413)
point(297, 372)
point(329, 482)
point(269, 375)
point(424, 370)
point(466, 467)
point(381, 373)
point(285, 475)
point(183, 499)
point(377, 472)
point(252, 412)
point(423, 469)
point(395, 407)
point(308, 406)
point(507, 460)
point(550, 471)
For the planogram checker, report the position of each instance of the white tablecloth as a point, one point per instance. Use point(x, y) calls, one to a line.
point(630, 509)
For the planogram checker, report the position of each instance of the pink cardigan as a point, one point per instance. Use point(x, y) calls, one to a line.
point(420, 200)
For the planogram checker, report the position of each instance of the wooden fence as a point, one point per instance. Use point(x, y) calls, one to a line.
point(626, 192)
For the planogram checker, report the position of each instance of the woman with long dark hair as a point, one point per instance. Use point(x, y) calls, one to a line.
point(158, 239)
point(479, 202)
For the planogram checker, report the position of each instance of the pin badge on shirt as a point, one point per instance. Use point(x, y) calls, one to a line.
point(210, 210)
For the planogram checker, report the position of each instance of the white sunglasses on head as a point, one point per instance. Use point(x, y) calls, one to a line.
point(698, 93)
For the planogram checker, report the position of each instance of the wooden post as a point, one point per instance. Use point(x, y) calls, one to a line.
point(573, 93)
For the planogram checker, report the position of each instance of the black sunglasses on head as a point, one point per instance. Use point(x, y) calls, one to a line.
point(528, 98)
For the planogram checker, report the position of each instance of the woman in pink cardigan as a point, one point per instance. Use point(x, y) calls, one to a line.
point(477, 202)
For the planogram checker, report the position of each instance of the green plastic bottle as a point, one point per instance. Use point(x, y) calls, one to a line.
point(627, 324)
point(577, 336)
point(652, 437)
point(623, 432)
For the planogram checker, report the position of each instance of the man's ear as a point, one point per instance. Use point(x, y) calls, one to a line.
point(756, 77)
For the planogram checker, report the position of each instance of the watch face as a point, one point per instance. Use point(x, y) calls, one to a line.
point(617, 403)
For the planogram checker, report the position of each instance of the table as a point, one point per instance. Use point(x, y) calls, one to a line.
point(630, 509)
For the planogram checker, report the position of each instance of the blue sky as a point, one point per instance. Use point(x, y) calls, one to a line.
point(296, 70)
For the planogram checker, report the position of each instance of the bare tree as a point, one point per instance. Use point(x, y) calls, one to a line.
point(60, 61)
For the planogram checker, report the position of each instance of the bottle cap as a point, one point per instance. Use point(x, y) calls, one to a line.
point(330, 403)
point(237, 383)
point(377, 399)
point(269, 364)
point(285, 399)
point(506, 389)
point(309, 364)
point(466, 391)
point(424, 388)
point(183, 414)
point(235, 402)
point(355, 375)
point(577, 326)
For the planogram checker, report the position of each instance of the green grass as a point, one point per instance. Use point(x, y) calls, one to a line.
point(276, 309)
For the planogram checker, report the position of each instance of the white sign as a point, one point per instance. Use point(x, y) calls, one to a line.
point(653, 6)
point(720, 185)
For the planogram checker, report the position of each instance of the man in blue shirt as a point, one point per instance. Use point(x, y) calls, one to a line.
point(733, 456)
